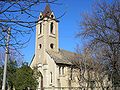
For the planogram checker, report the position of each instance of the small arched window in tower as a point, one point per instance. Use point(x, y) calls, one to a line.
point(51, 45)
point(51, 28)
point(52, 16)
point(40, 28)
point(40, 46)
point(40, 16)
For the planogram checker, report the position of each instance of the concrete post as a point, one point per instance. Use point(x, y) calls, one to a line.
point(6, 58)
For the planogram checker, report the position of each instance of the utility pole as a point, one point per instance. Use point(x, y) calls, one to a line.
point(6, 57)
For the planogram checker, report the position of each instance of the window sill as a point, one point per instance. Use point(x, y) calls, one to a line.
point(40, 35)
point(50, 84)
point(61, 75)
point(52, 35)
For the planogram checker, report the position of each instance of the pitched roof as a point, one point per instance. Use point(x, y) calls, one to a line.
point(61, 57)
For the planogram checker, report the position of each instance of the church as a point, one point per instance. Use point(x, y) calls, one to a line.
point(52, 62)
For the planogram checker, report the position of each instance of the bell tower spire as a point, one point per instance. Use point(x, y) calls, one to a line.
point(46, 34)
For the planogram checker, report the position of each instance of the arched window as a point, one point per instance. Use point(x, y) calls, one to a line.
point(62, 70)
point(59, 70)
point(40, 28)
point(51, 77)
point(51, 28)
point(40, 46)
point(40, 16)
point(52, 16)
point(51, 45)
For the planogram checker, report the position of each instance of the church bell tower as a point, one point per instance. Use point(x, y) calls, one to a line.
point(46, 34)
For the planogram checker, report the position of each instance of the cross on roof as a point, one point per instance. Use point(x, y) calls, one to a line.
point(47, 1)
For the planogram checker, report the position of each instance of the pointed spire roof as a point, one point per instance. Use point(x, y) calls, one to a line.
point(47, 12)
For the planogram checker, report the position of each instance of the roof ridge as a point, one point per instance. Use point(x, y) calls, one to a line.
point(67, 51)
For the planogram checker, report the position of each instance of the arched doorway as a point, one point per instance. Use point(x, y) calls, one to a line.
point(41, 82)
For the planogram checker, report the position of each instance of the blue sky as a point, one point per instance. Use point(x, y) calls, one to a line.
point(68, 25)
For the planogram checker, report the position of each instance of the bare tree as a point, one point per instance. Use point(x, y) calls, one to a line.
point(21, 17)
point(1, 58)
point(16, 23)
point(102, 28)
point(89, 72)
